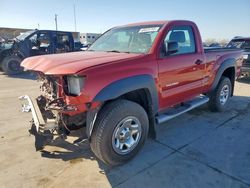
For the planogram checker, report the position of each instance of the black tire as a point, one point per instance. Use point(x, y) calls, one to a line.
point(107, 122)
point(11, 65)
point(215, 103)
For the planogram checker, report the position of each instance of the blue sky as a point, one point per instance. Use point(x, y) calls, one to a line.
point(219, 19)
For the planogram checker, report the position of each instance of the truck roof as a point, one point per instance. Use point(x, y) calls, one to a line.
point(45, 30)
point(241, 38)
point(159, 22)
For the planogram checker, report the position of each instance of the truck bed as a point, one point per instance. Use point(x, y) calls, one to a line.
point(214, 54)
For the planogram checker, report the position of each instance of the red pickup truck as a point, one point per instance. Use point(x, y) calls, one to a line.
point(132, 78)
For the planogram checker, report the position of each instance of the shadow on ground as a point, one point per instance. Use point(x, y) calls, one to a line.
point(167, 161)
point(245, 80)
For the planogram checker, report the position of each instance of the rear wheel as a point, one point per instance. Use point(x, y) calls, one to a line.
point(220, 96)
point(120, 131)
point(11, 65)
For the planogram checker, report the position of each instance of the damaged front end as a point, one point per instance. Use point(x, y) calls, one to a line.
point(54, 114)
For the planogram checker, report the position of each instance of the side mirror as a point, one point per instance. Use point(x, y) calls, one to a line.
point(171, 47)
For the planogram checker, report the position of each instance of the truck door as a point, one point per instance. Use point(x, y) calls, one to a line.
point(40, 44)
point(180, 73)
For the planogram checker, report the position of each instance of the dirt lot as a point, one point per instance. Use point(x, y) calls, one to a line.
point(197, 149)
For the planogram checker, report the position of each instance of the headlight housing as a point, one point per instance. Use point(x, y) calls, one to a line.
point(75, 84)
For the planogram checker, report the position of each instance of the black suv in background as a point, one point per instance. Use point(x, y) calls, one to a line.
point(244, 44)
point(33, 43)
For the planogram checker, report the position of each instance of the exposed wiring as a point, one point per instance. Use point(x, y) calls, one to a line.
point(65, 126)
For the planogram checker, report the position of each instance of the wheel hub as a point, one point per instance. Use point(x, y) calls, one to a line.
point(126, 135)
point(224, 94)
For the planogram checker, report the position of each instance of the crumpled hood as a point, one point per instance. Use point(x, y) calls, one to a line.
point(71, 63)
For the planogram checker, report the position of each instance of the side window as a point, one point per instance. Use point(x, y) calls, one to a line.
point(39, 41)
point(62, 43)
point(184, 36)
point(43, 40)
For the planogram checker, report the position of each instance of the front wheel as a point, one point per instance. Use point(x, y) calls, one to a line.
point(11, 65)
point(220, 96)
point(120, 131)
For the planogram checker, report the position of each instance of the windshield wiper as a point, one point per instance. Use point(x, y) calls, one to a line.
point(117, 51)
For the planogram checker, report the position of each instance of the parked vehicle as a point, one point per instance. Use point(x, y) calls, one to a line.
point(129, 80)
point(33, 43)
point(244, 44)
point(1, 40)
point(215, 45)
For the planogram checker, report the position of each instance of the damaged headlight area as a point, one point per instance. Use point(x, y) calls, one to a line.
point(48, 86)
point(49, 110)
point(245, 56)
point(73, 84)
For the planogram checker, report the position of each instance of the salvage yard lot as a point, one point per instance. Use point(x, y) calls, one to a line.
point(197, 149)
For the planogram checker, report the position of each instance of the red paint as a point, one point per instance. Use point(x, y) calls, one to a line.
point(103, 68)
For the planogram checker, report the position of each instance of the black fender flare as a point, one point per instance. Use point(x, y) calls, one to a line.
point(119, 88)
point(126, 85)
point(229, 63)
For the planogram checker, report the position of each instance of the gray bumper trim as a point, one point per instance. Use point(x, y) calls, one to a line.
point(31, 105)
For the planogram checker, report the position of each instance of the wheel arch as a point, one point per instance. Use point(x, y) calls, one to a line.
point(227, 69)
point(4, 53)
point(140, 89)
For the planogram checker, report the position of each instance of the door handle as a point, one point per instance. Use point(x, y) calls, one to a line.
point(198, 62)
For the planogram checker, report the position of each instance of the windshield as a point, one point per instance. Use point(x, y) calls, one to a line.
point(241, 44)
point(133, 39)
point(24, 35)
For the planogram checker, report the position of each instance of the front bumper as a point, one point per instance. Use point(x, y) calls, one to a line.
point(41, 128)
point(30, 105)
point(45, 127)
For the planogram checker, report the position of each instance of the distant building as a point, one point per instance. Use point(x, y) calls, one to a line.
point(10, 33)
point(88, 38)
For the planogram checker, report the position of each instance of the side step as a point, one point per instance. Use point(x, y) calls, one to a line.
point(174, 112)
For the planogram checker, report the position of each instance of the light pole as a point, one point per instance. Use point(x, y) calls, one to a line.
point(75, 15)
point(56, 20)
